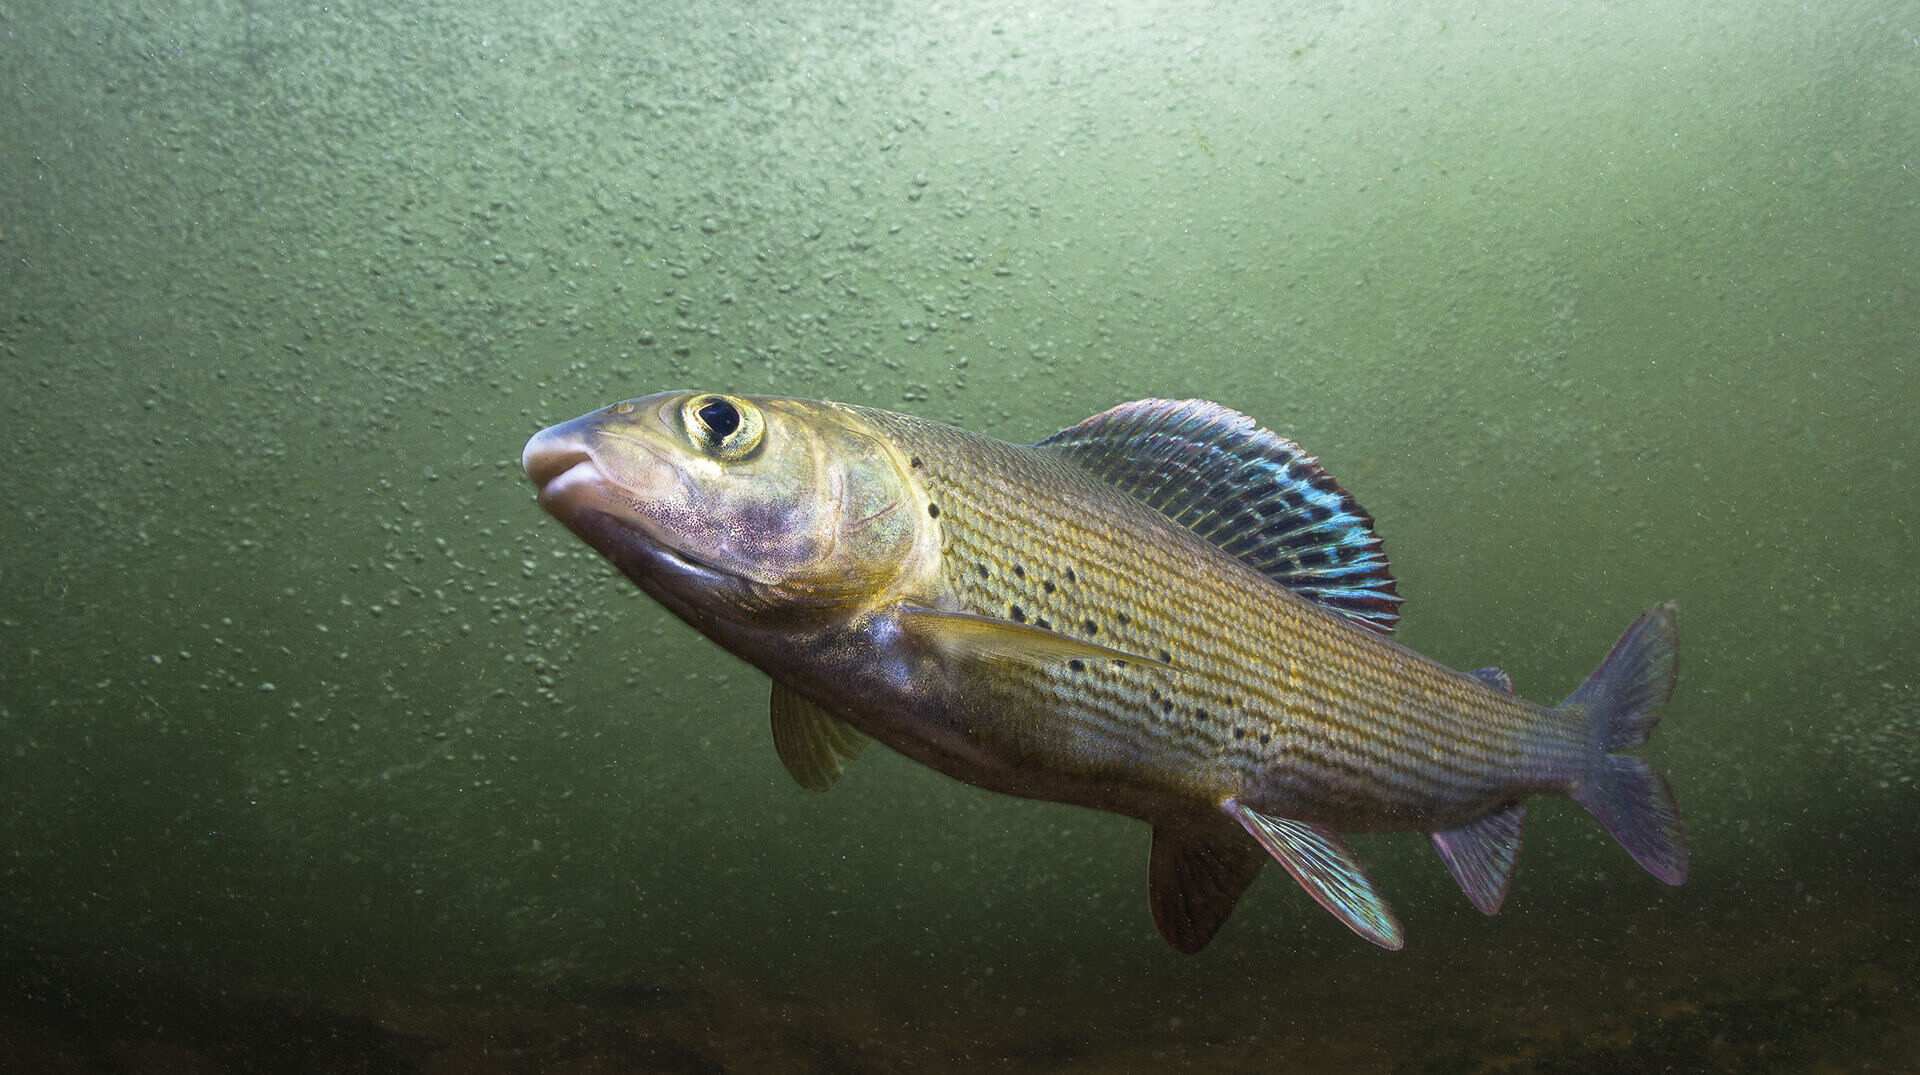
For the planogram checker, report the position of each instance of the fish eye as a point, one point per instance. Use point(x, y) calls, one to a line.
point(719, 416)
point(725, 427)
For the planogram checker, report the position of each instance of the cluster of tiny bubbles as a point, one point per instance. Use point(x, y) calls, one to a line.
point(1879, 737)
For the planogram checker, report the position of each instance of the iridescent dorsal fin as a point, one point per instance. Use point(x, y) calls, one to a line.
point(1251, 492)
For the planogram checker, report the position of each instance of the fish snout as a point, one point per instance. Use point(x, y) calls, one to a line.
point(596, 462)
point(553, 452)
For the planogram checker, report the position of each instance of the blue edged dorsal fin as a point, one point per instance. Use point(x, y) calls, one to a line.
point(1480, 855)
point(1251, 492)
point(1324, 865)
point(1495, 678)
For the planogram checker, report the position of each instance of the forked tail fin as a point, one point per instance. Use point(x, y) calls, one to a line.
point(1622, 701)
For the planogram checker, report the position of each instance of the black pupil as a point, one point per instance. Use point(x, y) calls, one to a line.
point(719, 417)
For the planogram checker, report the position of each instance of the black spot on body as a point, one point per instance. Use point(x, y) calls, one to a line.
point(1042, 623)
point(1239, 733)
point(933, 511)
point(1077, 665)
point(1019, 572)
point(915, 463)
point(1047, 586)
point(1265, 738)
point(1123, 618)
point(1092, 627)
point(1019, 614)
point(1070, 577)
point(982, 568)
point(1165, 657)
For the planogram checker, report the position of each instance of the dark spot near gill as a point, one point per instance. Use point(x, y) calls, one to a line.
point(1019, 572)
point(915, 463)
point(1166, 706)
point(1165, 657)
point(1077, 665)
point(1239, 733)
point(933, 511)
point(1047, 586)
point(1019, 614)
point(1265, 738)
point(1092, 627)
point(1201, 716)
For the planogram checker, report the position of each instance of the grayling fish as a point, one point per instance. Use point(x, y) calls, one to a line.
point(1163, 611)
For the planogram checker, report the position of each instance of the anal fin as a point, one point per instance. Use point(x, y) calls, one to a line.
point(1195, 878)
point(1480, 855)
point(811, 741)
point(1325, 866)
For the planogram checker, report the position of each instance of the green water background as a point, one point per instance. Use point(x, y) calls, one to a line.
point(1591, 305)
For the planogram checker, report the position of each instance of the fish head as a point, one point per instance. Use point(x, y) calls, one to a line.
point(736, 508)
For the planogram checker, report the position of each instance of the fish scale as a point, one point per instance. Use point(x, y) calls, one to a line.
point(1163, 611)
point(1353, 726)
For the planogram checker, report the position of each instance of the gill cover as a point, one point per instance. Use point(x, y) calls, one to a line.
point(798, 502)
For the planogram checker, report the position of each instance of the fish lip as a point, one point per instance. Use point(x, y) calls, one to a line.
point(542, 467)
point(626, 543)
point(552, 452)
point(560, 463)
point(558, 478)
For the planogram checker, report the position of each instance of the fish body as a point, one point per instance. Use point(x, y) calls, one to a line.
point(1164, 612)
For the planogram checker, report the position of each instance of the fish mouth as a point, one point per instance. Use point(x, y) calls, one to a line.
point(574, 490)
point(544, 467)
point(557, 462)
point(560, 463)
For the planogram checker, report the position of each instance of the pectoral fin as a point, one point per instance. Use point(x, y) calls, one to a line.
point(810, 740)
point(1324, 865)
point(963, 634)
point(1195, 879)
